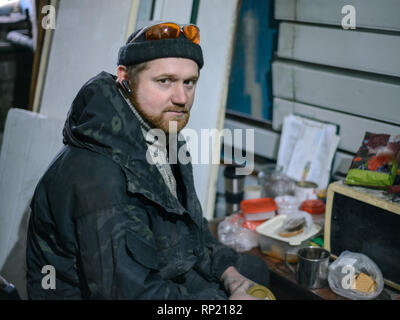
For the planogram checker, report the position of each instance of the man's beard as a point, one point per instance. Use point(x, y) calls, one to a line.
point(174, 124)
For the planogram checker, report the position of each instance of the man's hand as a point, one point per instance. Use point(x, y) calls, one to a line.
point(237, 285)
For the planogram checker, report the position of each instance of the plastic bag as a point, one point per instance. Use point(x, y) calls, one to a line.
point(355, 276)
point(376, 162)
point(234, 235)
point(295, 223)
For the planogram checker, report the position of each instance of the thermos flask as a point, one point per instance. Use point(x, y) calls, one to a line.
point(234, 189)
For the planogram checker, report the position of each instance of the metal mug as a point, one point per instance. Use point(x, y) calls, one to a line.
point(312, 267)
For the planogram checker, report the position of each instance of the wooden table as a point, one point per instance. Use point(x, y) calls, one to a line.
point(284, 285)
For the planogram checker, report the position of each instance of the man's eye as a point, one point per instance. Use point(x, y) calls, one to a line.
point(190, 83)
point(164, 81)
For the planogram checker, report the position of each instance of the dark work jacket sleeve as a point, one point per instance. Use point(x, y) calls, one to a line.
point(119, 257)
point(217, 257)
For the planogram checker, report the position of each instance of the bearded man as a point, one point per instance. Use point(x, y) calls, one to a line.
point(113, 224)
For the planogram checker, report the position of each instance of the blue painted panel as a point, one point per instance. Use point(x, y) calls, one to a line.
point(250, 87)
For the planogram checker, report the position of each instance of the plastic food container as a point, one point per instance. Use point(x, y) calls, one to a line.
point(316, 208)
point(276, 246)
point(287, 204)
point(258, 209)
point(252, 224)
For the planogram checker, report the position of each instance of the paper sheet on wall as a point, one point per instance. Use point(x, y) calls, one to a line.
point(306, 149)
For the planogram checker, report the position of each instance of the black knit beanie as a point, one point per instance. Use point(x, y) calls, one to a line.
point(142, 50)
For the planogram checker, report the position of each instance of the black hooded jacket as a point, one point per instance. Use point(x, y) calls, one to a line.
point(103, 217)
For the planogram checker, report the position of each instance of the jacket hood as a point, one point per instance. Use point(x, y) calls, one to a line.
point(101, 120)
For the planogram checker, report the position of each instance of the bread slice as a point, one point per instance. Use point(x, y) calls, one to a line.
point(365, 283)
point(288, 234)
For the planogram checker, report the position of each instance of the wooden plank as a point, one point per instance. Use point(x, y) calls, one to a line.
point(373, 197)
point(145, 10)
point(38, 39)
point(173, 10)
point(42, 68)
point(87, 38)
point(144, 13)
point(356, 50)
point(212, 88)
point(351, 92)
point(369, 13)
point(352, 128)
point(132, 19)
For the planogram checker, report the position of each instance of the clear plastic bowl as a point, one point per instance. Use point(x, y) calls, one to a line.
point(287, 204)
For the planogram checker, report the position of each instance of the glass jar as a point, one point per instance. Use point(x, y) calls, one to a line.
point(274, 182)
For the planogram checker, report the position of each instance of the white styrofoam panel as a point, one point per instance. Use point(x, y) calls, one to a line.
point(341, 162)
point(280, 109)
point(266, 142)
point(30, 142)
point(86, 41)
point(350, 49)
point(369, 13)
point(346, 91)
point(352, 128)
point(173, 10)
point(267, 145)
point(208, 110)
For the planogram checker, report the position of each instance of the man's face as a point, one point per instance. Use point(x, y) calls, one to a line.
point(165, 90)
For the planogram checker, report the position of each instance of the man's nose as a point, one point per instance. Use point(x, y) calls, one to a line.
point(179, 95)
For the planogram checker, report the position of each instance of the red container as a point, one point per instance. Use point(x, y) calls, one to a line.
point(316, 208)
point(252, 225)
point(258, 209)
point(313, 206)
